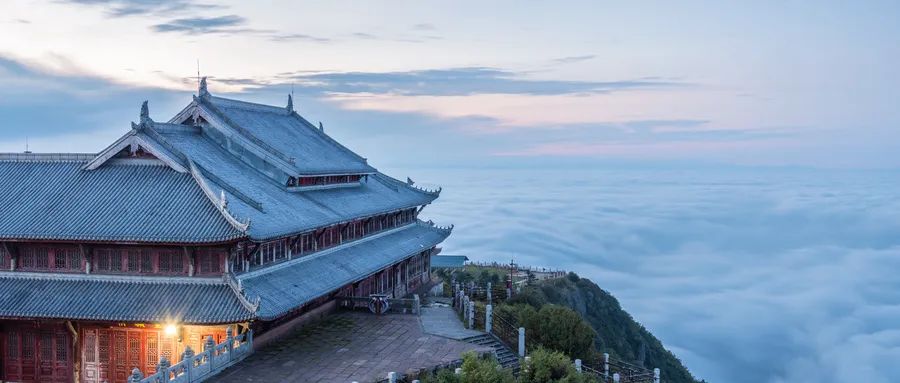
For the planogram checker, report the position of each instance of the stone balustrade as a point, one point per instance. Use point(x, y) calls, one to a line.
point(199, 367)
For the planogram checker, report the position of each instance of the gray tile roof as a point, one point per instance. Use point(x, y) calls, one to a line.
point(290, 135)
point(286, 286)
point(108, 298)
point(448, 261)
point(149, 203)
point(283, 212)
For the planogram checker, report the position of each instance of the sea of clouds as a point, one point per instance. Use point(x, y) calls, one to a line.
point(748, 276)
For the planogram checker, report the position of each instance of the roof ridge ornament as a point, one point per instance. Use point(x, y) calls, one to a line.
point(290, 105)
point(145, 114)
point(321, 127)
point(202, 91)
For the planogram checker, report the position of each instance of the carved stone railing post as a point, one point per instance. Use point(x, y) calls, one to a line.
point(136, 376)
point(578, 365)
point(655, 375)
point(229, 343)
point(209, 348)
point(521, 341)
point(605, 365)
point(488, 292)
point(488, 318)
point(187, 359)
point(417, 305)
point(471, 315)
point(616, 378)
point(392, 377)
point(163, 369)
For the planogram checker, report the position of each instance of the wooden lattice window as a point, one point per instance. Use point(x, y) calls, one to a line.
point(4, 258)
point(28, 342)
point(170, 261)
point(62, 348)
point(12, 344)
point(90, 346)
point(209, 261)
point(152, 350)
point(103, 346)
point(46, 345)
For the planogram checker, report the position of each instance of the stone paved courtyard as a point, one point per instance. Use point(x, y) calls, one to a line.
point(347, 347)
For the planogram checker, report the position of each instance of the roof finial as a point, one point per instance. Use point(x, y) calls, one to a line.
point(290, 105)
point(202, 92)
point(321, 127)
point(145, 115)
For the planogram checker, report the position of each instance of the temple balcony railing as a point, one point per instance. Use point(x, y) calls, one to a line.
point(200, 367)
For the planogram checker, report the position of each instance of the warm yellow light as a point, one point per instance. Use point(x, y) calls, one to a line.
point(170, 330)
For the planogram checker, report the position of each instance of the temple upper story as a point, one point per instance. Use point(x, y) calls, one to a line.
point(220, 170)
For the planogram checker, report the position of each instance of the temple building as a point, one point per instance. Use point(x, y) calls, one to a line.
point(230, 217)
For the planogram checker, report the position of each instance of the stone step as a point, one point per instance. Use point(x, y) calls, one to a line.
point(506, 357)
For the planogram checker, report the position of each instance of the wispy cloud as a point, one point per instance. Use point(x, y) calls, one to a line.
point(81, 104)
point(460, 81)
point(573, 59)
point(122, 8)
point(424, 27)
point(286, 37)
point(205, 25)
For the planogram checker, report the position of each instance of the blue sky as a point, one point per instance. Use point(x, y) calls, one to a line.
point(506, 82)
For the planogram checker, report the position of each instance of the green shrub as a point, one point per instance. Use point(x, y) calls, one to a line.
point(551, 367)
point(474, 370)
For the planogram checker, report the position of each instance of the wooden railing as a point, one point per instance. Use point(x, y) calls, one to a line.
point(202, 366)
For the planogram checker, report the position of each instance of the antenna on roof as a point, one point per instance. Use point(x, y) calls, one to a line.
point(26, 146)
point(198, 73)
point(290, 105)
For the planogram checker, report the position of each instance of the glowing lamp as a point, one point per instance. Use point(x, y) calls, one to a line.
point(170, 330)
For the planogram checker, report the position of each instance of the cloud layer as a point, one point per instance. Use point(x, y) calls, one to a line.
point(756, 277)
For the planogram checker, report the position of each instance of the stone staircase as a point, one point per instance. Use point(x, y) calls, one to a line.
point(506, 357)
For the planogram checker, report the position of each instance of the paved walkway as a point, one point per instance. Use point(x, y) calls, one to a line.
point(346, 347)
point(443, 321)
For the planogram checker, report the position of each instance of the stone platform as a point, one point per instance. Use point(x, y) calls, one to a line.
point(350, 346)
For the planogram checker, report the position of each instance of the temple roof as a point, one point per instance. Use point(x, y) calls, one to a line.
point(286, 286)
point(287, 134)
point(110, 298)
point(50, 199)
point(221, 173)
point(274, 212)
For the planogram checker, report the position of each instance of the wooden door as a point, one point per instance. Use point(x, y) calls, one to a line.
point(110, 354)
point(37, 353)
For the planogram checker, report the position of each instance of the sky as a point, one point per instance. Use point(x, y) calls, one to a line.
point(573, 89)
point(761, 83)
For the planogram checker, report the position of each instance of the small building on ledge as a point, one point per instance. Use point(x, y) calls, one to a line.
point(230, 215)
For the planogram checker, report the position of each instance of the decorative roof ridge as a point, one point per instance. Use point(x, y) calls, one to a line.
point(47, 157)
point(430, 223)
point(159, 137)
point(408, 184)
point(110, 278)
point(269, 269)
point(220, 203)
point(238, 289)
point(251, 106)
point(246, 134)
